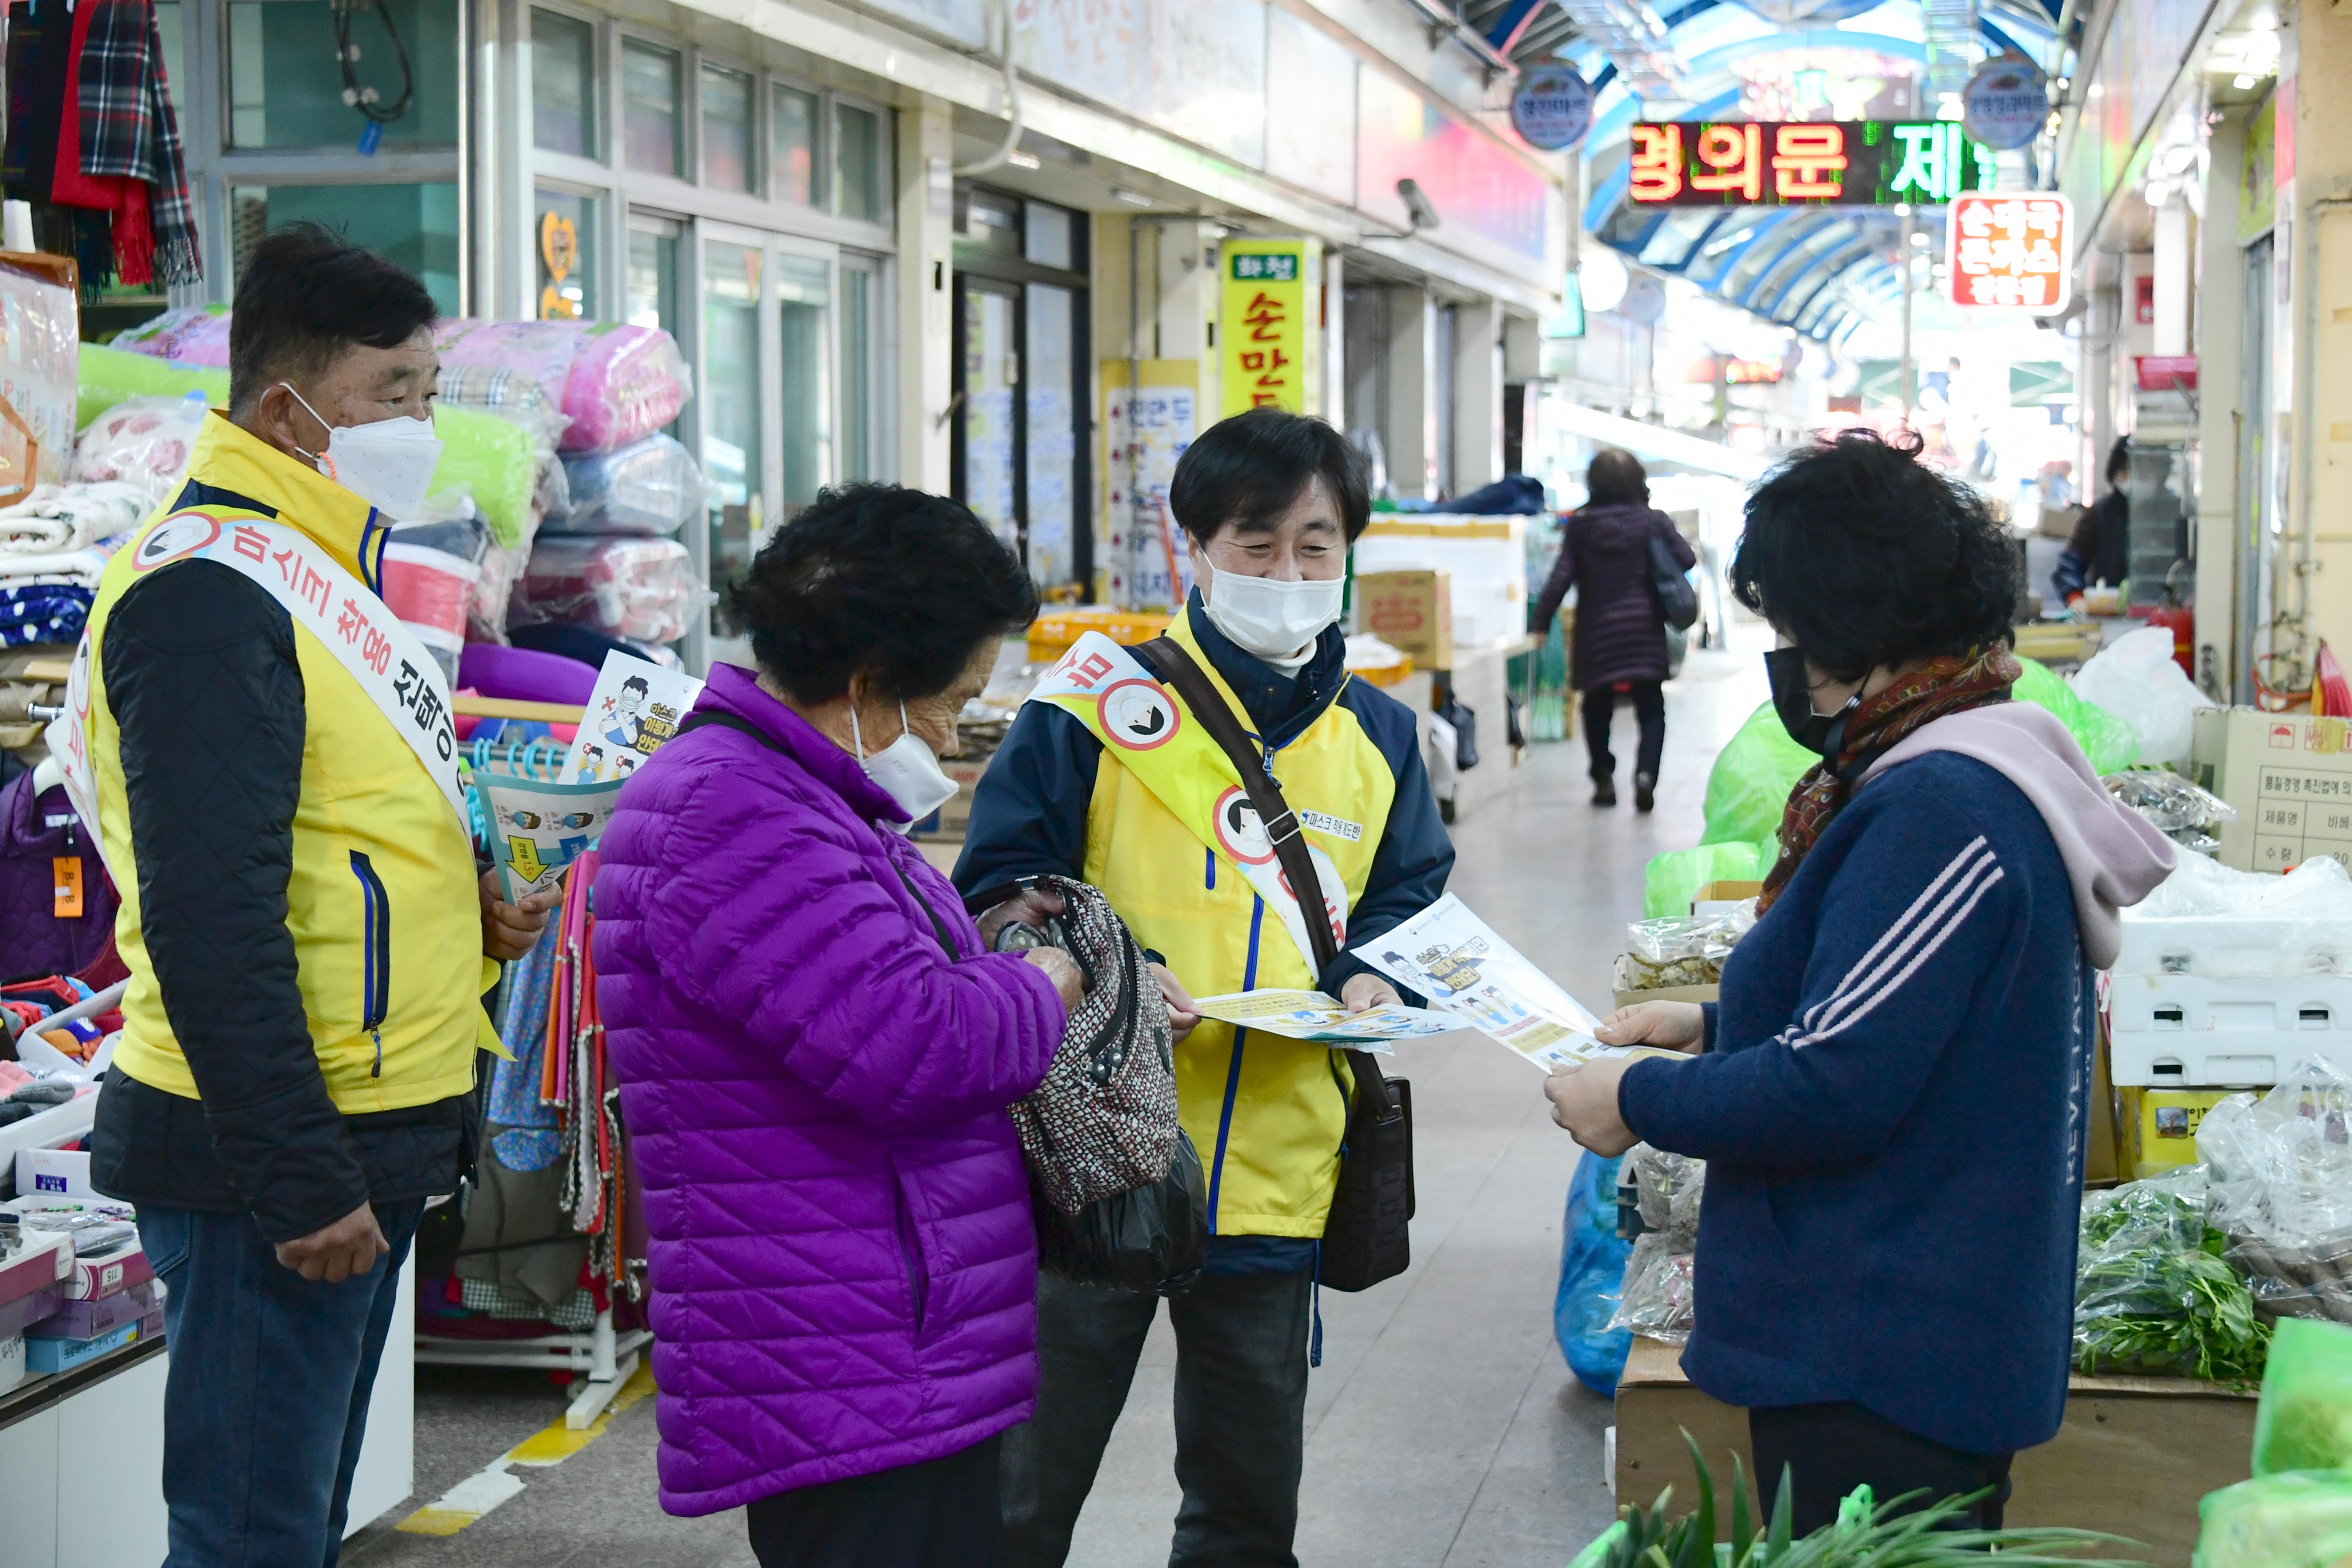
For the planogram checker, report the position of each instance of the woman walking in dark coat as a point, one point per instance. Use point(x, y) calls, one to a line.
point(1620, 644)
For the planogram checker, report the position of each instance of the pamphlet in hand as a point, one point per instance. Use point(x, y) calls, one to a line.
point(635, 706)
point(1315, 1017)
point(539, 829)
point(1450, 956)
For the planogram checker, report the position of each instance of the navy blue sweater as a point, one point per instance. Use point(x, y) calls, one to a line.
point(1029, 818)
point(1891, 1106)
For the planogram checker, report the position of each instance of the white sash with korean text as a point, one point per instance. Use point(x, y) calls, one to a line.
point(394, 669)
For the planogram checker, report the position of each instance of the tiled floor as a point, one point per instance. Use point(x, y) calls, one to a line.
point(1443, 1427)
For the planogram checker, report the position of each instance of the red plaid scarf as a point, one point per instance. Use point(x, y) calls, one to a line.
point(1938, 689)
point(129, 141)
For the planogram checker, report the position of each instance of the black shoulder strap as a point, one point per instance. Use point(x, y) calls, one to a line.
point(1168, 660)
point(702, 717)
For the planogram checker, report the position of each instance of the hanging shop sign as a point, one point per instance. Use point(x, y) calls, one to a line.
point(1270, 325)
point(2010, 251)
point(1840, 162)
point(1553, 108)
point(2006, 103)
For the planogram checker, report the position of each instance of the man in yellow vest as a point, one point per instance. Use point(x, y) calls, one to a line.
point(268, 754)
point(1105, 777)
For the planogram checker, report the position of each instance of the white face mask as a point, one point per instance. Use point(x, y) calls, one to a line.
point(1279, 622)
point(907, 772)
point(388, 463)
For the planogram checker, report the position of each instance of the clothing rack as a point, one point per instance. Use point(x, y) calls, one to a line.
point(609, 1357)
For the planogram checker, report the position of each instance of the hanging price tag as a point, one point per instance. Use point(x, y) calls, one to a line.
point(66, 879)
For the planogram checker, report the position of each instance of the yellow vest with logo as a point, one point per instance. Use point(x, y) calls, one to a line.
point(382, 903)
point(1266, 1113)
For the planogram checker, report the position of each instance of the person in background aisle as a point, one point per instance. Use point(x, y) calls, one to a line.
point(1891, 1093)
point(1269, 502)
point(1620, 645)
point(2099, 550)
point(302, 917)
point(843, 1263)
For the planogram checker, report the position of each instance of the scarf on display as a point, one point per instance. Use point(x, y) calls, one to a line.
point(39, 61)
point(1936, 690)
point(130, 139)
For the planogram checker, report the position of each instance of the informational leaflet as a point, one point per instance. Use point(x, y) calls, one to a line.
point(1450, 956)
point(538, 829)
point(1315, 1017)
point(635, 706)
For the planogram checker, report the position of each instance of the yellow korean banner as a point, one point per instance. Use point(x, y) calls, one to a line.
point(1270, 325)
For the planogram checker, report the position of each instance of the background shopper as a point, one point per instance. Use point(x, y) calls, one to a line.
point(1620, 644)
point(301, 917)
point(2099, 549)
point(842, 1265)
point(1891, 1093)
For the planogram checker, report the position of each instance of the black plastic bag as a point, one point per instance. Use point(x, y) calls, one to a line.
point(1465, 720)
point(1152, 1239)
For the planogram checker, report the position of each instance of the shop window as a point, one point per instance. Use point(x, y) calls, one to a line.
point(989, 221)
point(565, 235)
point(860, 160)
point(1045, 236)
point(804, 301)
point(653, 280)
point(859, 344)
point(563, 84)
point(286, 88)
point(730, 415)
point(413, 225)
point(791, 158)
point(1049, 371)
point(652, 130)
point(175, 55)
point(726, 126)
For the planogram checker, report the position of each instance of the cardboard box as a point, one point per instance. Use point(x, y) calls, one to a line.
point(43, 1264)
point(950, 820)
point(2134, 1455)
point(49, 1357)
point(54, 1173)
point(2156, 1128)
point(2290, 777)
point(1621, 983)
point(1412, 612)
point(103, 1315)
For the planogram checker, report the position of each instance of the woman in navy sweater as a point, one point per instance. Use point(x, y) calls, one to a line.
point(1891, 1094)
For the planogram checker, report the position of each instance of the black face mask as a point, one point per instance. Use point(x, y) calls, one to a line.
point(1822, 734)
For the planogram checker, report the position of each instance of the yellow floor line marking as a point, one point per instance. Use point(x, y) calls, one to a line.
point(494, 1483)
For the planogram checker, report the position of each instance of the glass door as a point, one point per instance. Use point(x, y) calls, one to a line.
point(804, 355)
point(1050, 442)
point(730, 406)
point(989, 417)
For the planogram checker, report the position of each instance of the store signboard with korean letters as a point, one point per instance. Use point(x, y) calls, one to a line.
point(2009, 251)
point(1840, 162)
point(1269, 324)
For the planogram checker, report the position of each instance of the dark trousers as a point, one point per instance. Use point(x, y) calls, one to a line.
point(940, 1513)
point(267, 1400)
point(1829, 1449)
point(1241, 1413)
point(1649, 710)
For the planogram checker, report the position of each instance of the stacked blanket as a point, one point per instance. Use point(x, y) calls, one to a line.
point(53, 545)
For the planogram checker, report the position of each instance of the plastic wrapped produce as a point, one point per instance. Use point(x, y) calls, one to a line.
point(2189, 816)
point(2305, 1421)
point(2298, 1519)
point(2152, 1294)
point(651, 486)
point(194, 336)
point(644, 590)
point(2281, 1175)
point(429, 573)
point(1668, 1190)
point(1658, 1297)
point(146, 442)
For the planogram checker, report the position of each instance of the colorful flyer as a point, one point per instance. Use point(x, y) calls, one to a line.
point(539, 829)
point(635, 706)
point(1315, 1017)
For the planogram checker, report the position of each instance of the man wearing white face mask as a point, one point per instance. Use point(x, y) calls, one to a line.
point(1119, 786)
point(268, 758)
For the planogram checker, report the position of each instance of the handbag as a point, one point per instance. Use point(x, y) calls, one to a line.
point(1677, 600)
point(1365, 1238)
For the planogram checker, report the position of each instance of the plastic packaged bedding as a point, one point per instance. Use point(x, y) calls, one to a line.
point(198, 335)
point(643, 590)
point(2280, 1171)
point(146, 441)
point(430, 571)
point(42, 333)
point(614, 382)
point(651, 486)
point(107, 377)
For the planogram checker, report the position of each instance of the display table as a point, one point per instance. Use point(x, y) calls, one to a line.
point(1481, 680)
point(81, 1454)
point(2134, 1457)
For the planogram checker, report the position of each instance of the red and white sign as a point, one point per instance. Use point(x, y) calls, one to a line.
point(2011, 250)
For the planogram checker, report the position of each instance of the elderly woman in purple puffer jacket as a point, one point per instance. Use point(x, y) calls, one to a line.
point(815, 1053)
point(1620, 645)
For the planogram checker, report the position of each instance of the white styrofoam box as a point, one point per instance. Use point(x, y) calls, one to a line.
point(2192, 1031)
point(2226, 947)
point(1486, 556)
point(54, 1173)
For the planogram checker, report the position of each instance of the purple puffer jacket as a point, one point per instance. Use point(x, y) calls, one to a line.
point(845, 1275)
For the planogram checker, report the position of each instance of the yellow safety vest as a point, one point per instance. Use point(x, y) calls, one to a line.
point(382, 903)
point(1265, 1112)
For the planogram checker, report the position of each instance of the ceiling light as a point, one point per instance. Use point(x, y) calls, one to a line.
point(1021, 159)
point(1919, 239)
point(1132, 199)
point(2243, 83)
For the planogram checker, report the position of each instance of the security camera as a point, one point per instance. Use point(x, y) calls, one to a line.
point(1416, 206)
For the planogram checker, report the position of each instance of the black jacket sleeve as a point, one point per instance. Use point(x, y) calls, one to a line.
point(1556, 586)
point(1029, 813)
point(206, 689)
